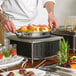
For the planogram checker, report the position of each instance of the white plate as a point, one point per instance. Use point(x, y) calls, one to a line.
point(37, 72)
point(66, 69)
point(10, 61)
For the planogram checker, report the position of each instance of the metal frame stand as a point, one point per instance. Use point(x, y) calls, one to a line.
point(15, 40)
point(32, 55)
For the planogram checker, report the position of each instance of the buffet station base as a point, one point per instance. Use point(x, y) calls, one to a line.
point(36, 48)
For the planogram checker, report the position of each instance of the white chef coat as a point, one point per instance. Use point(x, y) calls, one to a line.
point(21, 12)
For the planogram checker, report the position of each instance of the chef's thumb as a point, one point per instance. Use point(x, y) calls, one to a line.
point(14, 30)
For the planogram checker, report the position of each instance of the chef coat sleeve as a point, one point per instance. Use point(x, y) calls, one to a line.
point(1, 1)
point(44, 1)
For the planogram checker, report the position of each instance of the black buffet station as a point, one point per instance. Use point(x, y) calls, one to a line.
point(39, 48)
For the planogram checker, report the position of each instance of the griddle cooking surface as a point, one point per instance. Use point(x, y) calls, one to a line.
point(63, 32)
point(33, 37)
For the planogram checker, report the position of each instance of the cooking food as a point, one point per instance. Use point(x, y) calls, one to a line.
point(33, 31)
point(34, 28)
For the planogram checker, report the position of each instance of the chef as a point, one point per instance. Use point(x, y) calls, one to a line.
point(15, 13)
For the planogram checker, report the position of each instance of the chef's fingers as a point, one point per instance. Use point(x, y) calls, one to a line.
point(5, 27)
point(50, 24)
point(13, 27)
point(56, 24)
point(9, 26)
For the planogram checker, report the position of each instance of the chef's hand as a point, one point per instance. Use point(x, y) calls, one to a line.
point(7, 25)
point(53, 22)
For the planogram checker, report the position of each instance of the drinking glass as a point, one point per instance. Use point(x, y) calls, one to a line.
point(69, 23)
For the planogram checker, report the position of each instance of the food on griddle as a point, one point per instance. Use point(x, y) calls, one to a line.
point(34, 28)
point(11, 74)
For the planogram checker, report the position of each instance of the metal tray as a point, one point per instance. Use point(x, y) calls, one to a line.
point(33, 35)
point(11, 61)
point(68, 30)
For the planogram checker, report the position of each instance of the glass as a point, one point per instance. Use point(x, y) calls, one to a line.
point(4, 48)
point(13, 49)
point(0, 50)
point(14, 46)
point(0, 44)
point(10, 46)
point(70, 23)
point(1, 53)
